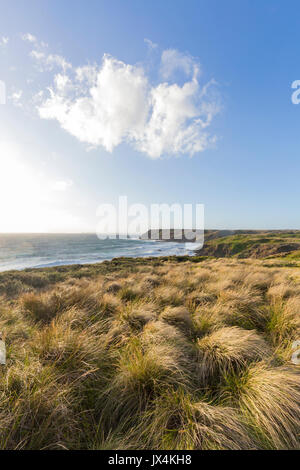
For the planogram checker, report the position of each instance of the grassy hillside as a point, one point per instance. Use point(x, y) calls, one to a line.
point(241, 243)
point(252, 244)
point(165, 353)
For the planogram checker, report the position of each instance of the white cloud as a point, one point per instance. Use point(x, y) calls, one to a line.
point(38, 55)
point(44, 59)
point(87, 73)
point(150, 44)
point(4, 41)
point(61, 185)
point(50, 61)
point(54, 60)
point(29, 37)
point(16, 97)
point(177, 121)
point(114, 102)
point(172, 60)
point(114, 108)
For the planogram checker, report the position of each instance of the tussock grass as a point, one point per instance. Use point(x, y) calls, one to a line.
point(269, 398)
point(69, 349)
point(196, 298)
point(284, 320)
point(242, 299)
point(281, 291)
point(138, 315)
point(226, 350)
point(180, 422)
point(259, 280)
point(129, 293)
point(159, 333)
point(114, 287)
point(42, 307)
point(140, 375)
point(179, 317)
point(39, 417)
point(206, 319)
point(169, 295)
point(151, 354)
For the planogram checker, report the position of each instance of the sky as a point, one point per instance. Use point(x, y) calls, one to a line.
point(169, 101)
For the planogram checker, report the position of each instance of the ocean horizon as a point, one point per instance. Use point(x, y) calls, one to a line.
point(38, 250)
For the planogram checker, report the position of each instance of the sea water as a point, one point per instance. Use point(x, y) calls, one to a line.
point(20, 251)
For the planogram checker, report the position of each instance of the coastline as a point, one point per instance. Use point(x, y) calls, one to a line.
point(19, 252)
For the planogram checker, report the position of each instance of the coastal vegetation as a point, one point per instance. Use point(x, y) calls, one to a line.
point(156, 353)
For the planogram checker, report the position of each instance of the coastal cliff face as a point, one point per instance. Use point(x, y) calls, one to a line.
point(236, 243)
point(174, 235)
point(191, 234)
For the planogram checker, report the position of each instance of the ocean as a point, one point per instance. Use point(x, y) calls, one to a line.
point(20, 251)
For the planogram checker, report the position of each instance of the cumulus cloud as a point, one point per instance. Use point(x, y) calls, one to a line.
point(107, 104)
point(173, 60)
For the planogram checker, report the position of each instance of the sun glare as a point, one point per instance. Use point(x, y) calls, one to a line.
point(21, 192)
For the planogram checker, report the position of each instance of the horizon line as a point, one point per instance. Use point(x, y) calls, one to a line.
point(192, 229)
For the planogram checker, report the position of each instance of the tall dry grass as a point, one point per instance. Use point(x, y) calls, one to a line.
point(154, 355)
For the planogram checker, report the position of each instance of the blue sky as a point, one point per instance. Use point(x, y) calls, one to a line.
point(220, 71)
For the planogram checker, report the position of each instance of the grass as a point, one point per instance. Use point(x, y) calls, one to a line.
point(263, 244)
point(268, 398)
point(158, 353)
